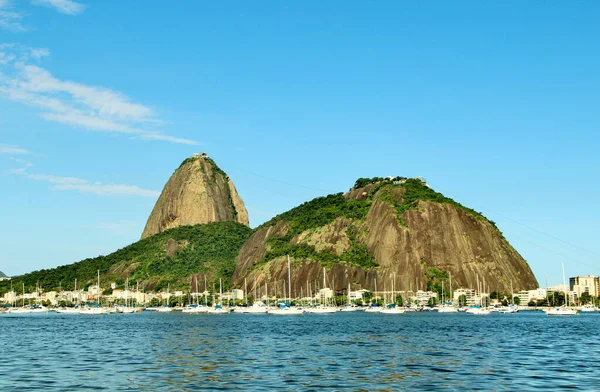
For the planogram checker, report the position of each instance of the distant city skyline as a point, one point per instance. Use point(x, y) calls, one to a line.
point(494, 104)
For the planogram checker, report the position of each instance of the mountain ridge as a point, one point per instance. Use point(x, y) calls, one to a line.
point(382, 228)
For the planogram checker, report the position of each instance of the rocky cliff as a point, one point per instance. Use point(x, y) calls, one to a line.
point(197, 193)
point(383, 231)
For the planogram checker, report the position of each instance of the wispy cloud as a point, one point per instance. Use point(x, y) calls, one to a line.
point(122, 227)
point(38, 53)
point(9, 18)
point(8, 149)
point(79, 105)
point(68, 7)
point(60, 183)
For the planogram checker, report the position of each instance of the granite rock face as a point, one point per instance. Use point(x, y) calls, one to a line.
point(429, 236)
point(197, 193)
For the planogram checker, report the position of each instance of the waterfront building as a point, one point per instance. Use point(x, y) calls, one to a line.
point(10, 297)
point(422, 297)
point(357, 295)
point(324, 294)
point(585, 285)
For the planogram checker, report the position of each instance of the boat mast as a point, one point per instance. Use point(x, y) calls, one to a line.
point(512, 294)
point(324, 286)
point(394, 290)
point(565, 285)
point(205, 292)
point(99, 291)
point(246, 291)
point(451, 296)
point(375, 294)
point(289, 280)
point(220, 291)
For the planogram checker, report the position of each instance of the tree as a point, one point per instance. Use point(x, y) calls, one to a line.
point(517, 300)
point(399, 300)
point(495, 295)
point(462, 300)
point(556, 298)
point(585, 298)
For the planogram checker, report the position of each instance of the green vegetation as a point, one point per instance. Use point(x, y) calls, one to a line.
point(435, 279)
point(2, 275)
point(314, 214)
point(324, 210)
point(209, 249)
point(321, 211)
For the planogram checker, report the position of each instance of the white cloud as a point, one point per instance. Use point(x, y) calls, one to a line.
point(68, 7)
point(38, 53)
point(60, 183)
point(90, 107)
point(8, 149)
point(6, 58)
point(9, 19)
point(22, 162)
point(122, 227)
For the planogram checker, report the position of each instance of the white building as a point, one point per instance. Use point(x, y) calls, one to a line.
point(51, 296)
point(422, 297)
point(10, 297)
point(324, 294)
point(94, 290)
point(585, 285)
point(73, 296)
point(357, 295)
point(527, 296)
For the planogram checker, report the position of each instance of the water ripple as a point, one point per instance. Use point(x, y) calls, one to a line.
point(358, 351)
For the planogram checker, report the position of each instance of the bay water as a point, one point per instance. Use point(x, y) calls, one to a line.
point(344, 351)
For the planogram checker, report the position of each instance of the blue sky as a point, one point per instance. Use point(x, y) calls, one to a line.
point(495, 104)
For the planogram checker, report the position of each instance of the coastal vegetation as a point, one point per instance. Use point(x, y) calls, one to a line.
point(170, 257)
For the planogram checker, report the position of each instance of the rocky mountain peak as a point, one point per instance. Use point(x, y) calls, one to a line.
point(198, 192)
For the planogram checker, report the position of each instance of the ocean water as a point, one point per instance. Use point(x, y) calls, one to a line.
point(343, 351)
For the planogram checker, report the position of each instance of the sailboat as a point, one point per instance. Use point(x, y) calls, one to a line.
point(96, 309)
point(350, 307)
point(127, 309)
point(195, 308)
point(587, 308)
point(374, 308)
point(22, 309)
point(559, 310)
point(479, 310)
point(74, 310)
point(392, 308)
point(166, 308)
point(325, 307)
point(219, 309)
point(258, 307)
point(286, 308)
point(447, 307)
